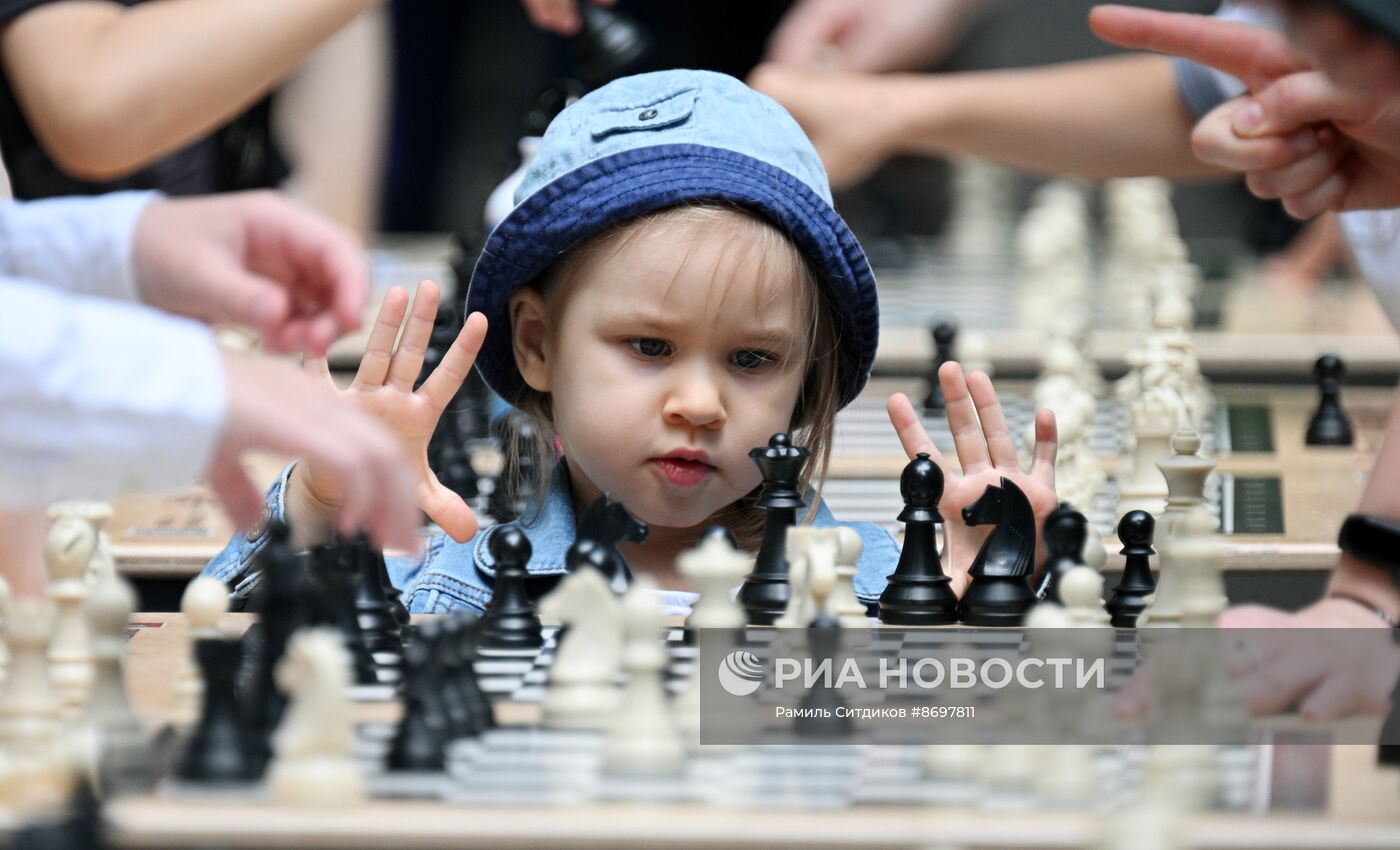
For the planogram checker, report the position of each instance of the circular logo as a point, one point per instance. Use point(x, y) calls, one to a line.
point(740, 673)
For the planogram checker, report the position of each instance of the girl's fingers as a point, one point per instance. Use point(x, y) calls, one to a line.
point(413, 344)
point(910, 430)
point(446, 508)
point(971, 445)
point(443, 383)
point(379, 348)
point(1000, 445)
point(1047, 444)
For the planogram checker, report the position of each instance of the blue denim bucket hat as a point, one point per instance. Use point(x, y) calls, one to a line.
point(651, 141)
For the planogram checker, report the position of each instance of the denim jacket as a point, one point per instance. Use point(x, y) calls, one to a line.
point(447, 574)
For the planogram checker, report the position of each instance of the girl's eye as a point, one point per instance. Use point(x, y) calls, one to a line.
point(750, 359)
point(648, 347)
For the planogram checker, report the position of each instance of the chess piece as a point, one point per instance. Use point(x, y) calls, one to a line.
point(478, 706)
point(1329, 425)
point(460, 709)
point(421, 737)
point(820, 715)
point(312, 766)
point(1065, 531)
point(510, 621)
point(943, 334)
point(999, 593)
point(111, 737)
point(203, 603)
point(604, 523)
point(374, 610)
point(1185, 471)
point(222, 749)
point(714, 567)
point(919, 593)
point(333, 571)
point(844, 604)
point(800, 607)
point(1144, 488)
point(1081, 589)
point(643, 738)
point(35, 770)
point(1136, 586)
point(764, 594)
point(581, 693)
point(280, 568)
point(68, 550)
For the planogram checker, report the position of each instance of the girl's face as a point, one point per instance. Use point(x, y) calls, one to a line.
point(669, 352)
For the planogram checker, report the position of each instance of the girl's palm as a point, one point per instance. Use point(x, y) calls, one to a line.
point(986, 453)
point(383, 386)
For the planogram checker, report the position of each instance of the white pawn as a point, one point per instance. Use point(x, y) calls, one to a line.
point(111, 739)
point(68, 550)
point(1081, 588)
point(844, 604)
point(800, 610)
point(313, 766)
point(643, 738)
point(715, 567)
point(34, 769)
point(581, 693)
point(204, 603)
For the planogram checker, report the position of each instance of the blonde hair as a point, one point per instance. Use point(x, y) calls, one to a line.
point(814, 417)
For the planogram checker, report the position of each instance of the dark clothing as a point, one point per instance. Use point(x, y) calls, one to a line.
point(239, 155)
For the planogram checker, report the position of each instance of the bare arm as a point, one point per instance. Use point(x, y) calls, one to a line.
point(109, 88)
point(1102, 118)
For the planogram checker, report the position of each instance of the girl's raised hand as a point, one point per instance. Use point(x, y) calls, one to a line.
point(383, 386)
point(986, 453)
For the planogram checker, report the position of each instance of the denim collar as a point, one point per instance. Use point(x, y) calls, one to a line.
point(553, 528)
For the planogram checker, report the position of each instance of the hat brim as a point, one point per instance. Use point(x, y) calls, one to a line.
point(622, 186)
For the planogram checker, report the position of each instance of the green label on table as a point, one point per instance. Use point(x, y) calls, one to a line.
point(1257, 504)
point(1251, 428)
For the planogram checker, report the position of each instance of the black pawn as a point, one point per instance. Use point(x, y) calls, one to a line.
point(1329, 425)
point(333, 573)
point(222, 749)
point(421, 737)
point(918, 593)
point(820, 706)
point(1065, 532)
point(279, 589)
point(609, 44)
point(510, 621)
point(483, 715)
point(460, 721)
point(374, 611)
point(944, 333)
point(765, 592)
point(1130, 596)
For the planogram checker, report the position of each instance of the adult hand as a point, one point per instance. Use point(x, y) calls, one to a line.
point(872, 36)
point(383, 388)
point(253, 258)
point(847, 116)
point(986, 453)
point(1316, 139)
point(274, 407)
point(558, 16)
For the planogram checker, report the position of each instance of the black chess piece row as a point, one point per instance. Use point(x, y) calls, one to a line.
point(344, 586)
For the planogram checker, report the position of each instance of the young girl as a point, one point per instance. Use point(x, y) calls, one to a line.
point(672, 288)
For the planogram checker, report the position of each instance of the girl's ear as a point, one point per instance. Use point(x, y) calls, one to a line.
point(529, 337)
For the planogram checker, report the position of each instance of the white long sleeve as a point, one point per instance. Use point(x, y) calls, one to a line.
point(98, 397)
point(80, 245)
